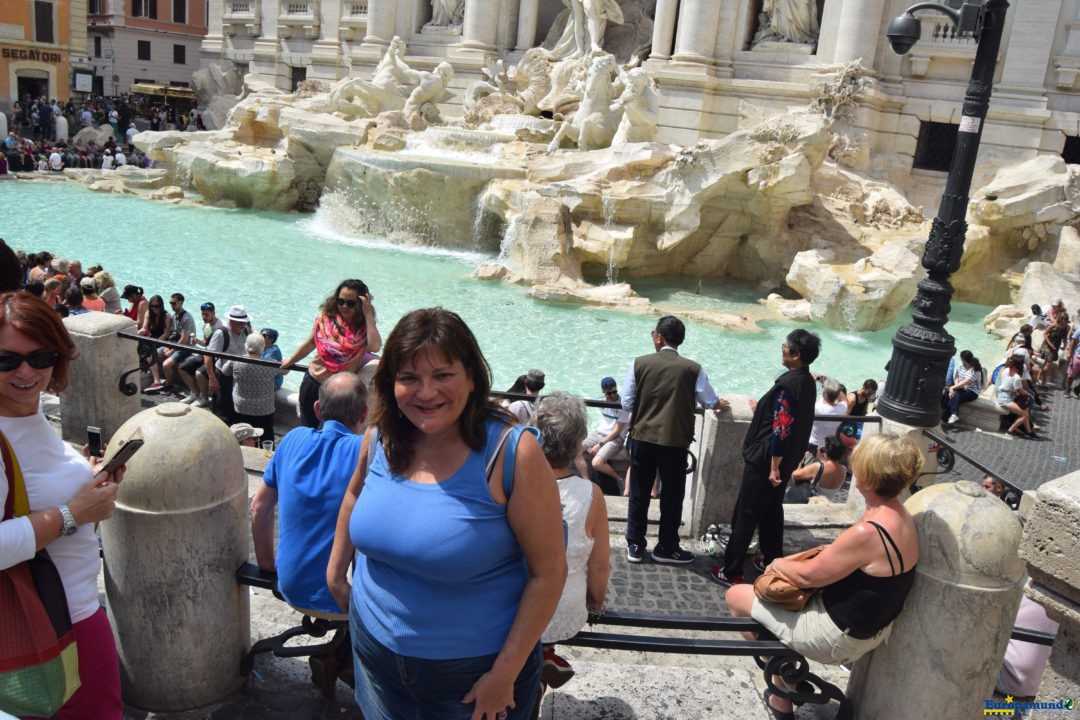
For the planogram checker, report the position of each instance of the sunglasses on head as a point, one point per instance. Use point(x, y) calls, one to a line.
point(39, 360)
point(206, 306)
point(345, 302)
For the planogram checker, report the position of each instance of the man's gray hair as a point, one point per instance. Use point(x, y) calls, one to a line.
point(830, 390)
point(563, 426)
point(343, 397)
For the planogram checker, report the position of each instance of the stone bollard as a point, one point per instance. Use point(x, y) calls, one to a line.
point(720, 464)
point(1051, 547)
point(93, 394)
point(943, 655)
point(171, 550)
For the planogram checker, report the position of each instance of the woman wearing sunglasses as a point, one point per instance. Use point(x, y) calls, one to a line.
point(66, 496)
point(344, 337)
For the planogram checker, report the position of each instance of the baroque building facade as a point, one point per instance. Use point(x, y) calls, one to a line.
point(715, 61)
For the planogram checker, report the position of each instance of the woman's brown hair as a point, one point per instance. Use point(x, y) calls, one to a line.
point(36, 320)
point(431, 330)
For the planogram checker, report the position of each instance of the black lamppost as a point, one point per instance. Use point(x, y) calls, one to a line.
point(922, 348)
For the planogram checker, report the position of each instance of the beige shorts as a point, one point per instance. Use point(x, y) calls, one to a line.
point(813, 634)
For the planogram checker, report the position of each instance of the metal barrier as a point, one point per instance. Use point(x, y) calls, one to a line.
point(145, 358)
point(1012, 493)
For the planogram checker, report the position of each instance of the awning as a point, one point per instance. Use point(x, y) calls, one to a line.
point(173, 91)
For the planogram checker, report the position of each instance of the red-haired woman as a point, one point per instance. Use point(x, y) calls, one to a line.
point(66, 495)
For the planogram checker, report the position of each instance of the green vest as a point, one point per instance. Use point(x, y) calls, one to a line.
point(664, 399)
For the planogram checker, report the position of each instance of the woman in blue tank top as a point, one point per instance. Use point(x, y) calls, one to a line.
point(457, 536)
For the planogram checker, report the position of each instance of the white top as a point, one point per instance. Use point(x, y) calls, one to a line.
point(571, 615)
point(53, 472)
point(120, 158)
point(106, 162)
point(823, 429)
point(611, 417)
point(1008, 387)
point(56, 161)
point(523, 410)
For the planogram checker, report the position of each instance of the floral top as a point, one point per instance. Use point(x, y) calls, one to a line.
point(783, 419)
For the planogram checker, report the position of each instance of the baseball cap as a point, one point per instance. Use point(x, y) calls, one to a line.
point(608, 382)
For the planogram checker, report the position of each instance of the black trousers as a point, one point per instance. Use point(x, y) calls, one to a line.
point(760, 507)
point(309, 393)
point(223, 402)
point(645, 460)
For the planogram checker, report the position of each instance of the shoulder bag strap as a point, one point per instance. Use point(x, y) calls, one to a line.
point(513, 434)
point(17, 504)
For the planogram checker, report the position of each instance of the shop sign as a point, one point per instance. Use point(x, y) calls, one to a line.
point(10, 53)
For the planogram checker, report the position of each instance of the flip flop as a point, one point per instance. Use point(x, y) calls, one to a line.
point(776, 713)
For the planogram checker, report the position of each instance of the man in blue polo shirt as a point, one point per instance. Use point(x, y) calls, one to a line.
point(306, 478)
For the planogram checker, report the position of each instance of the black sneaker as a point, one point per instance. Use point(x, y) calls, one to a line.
point(678, 556)
point(635, 553)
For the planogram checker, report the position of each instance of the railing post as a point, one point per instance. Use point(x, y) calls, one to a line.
point(1051, 547)
point(93, 396)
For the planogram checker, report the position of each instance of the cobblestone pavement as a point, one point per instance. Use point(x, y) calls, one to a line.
point(258, 704)
point(1023, 462)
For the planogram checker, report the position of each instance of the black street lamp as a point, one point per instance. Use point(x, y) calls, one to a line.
point(922, 348)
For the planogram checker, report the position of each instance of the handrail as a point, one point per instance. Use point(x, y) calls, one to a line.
point(202, 351)
point(1017, 492)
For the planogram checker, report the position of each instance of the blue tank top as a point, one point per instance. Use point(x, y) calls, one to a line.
point(439, 573)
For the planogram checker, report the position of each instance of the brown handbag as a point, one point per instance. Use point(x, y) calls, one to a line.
point(771, 588)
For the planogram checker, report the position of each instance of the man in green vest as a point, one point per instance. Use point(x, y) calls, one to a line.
point(660, 390)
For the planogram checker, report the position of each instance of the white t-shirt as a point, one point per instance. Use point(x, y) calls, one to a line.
point(121, 159)
point(106, 162)
point(53, 472)
point(56, 161)
point(823, 429)
point(611, 417)
point(132, 131)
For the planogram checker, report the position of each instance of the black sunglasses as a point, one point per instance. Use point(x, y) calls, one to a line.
point(39, 360)
point(345, 302)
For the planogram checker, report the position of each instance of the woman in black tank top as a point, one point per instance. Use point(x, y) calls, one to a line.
point(864, 575)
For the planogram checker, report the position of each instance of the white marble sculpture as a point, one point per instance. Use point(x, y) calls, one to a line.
point(593, 125)
point(585, 27)
point(388, 88)
point(639, 106)
point(525, 84)
point(421, 108)
point(446, 13)
point(793, 21)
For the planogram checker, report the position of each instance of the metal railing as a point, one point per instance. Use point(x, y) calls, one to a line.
point(1012, 492)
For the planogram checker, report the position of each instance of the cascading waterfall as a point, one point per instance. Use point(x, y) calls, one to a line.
point(607, 207)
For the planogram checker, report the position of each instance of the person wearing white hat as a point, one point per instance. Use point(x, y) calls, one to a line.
point(212, 380)
point(246, 434)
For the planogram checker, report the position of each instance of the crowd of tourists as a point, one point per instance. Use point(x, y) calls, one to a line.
point(32, 144)
point(507, 552)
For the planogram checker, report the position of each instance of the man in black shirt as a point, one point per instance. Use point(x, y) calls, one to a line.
point(774, 444)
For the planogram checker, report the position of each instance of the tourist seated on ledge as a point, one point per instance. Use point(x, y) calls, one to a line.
point(864, 575)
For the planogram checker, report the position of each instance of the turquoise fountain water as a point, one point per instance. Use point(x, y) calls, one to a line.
point(282, 266)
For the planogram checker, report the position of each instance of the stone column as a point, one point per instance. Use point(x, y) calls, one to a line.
point(720, 465)
point(945, 650)
point(93, 394)
point(1051, 547)
point(857, 32)
point(663, 29)
point(526, 31)
point(1027, 56)
point(380, 27)
point(171, 549)
point(480, 26)
point(695, 40)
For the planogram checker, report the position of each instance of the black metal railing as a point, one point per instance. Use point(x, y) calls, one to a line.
point(1012, 492)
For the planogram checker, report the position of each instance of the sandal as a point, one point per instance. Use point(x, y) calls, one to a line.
point(776, 713)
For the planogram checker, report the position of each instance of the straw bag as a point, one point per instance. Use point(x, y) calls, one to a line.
point(39, 666)
point(775, 590)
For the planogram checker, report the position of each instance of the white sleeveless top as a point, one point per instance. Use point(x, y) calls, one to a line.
point(575, 494)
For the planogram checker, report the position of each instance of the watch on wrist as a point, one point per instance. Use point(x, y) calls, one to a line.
point(69, 527)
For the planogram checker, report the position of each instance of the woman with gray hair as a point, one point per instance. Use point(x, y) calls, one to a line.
point(563, 425)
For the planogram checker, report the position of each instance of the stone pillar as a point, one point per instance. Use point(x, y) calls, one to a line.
point(380, 27)
point(3, 125)
point(526, 29)
point(945, 650)
point(857, 32)
point(720, 465)
point(1027, 56)
point(171, 549)
point(93, 394)
point(695, 40)
point(480, 26)
point(1051, 547)
point(664, 29)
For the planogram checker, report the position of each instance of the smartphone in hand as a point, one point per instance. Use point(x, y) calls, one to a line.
point(93, 440)
point(124, 449)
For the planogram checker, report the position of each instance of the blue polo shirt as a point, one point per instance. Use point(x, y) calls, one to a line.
point(310, 470)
